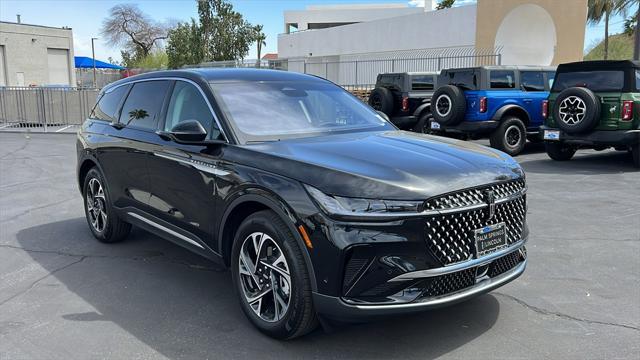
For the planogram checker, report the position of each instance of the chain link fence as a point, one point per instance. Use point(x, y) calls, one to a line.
point(44, 109)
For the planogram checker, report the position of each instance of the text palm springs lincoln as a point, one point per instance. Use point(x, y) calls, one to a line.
point(319, 206)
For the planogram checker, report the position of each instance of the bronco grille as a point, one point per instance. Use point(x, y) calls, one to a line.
point(450, 237)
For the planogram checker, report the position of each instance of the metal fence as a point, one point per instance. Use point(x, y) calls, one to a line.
point(46, 109)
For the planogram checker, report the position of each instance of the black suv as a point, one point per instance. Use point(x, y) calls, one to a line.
point(405, 98)
point(320, 207)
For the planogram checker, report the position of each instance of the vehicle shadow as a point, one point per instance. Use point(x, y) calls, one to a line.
point(586, 162)
point(182, 305)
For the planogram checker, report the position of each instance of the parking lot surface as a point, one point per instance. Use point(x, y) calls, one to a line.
point(63, 295)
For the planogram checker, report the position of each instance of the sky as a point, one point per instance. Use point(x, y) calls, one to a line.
point(85, 17)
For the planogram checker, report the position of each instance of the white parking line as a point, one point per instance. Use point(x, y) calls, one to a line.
point(64, 128)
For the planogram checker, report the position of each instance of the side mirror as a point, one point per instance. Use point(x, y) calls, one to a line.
point(384, 116)
point(188, 131)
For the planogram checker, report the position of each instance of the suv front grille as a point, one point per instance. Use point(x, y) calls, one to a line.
point(449, 283)
point(475, 196)
point(450, 237)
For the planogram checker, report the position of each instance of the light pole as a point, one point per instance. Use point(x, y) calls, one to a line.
point(93, 54)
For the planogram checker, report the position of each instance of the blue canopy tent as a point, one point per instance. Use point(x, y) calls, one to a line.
point(84, 62)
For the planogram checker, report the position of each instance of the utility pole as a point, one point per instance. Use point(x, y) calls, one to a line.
point(93, 54)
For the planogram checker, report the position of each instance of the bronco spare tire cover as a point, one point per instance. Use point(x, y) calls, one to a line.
point(381, 99)
point(576, 110)
point(448, 105)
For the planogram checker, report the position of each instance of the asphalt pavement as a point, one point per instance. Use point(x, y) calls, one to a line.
point(63, 295)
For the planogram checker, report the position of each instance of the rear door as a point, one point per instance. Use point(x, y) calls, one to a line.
point(125, 151)
point(534, 92)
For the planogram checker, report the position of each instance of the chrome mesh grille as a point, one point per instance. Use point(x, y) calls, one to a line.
point(450, 237)
point(474, 196)
point(505, 264)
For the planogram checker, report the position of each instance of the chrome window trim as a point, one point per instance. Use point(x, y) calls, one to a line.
point(166, 229)
point(459, 266)
point(173, 78)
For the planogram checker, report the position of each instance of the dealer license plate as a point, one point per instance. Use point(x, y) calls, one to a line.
point(435, 125)
point(552, 135)
point(490, 238)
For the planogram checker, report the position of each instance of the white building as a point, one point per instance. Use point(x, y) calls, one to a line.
point(519, 32)
point(34, 55)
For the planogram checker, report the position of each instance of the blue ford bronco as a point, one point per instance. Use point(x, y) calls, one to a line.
point(503, 103)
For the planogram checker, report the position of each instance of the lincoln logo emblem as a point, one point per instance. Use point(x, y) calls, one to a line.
point(490, 198)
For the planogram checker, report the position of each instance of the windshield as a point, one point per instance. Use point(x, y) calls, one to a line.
point(273, 110)
point(592, 80)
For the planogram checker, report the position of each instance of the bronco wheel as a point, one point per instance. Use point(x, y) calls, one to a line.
point(271, 277)
point(559, 151)
point(103, 222)
point(510, 136)
point(577, 110)
point(448, 105)
point(381, 99)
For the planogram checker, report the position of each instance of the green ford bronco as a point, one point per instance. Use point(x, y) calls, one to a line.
point(593, 104)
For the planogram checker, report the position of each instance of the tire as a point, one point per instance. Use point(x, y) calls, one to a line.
point(449, 105)
point(559, 151)
point(422, 126)
point(577, 110)
point(381, 99)
point(510, 136)
point(103, 222)
point(299, 316)
point(635, 155)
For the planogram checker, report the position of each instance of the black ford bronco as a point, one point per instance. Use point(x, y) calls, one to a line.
point(405, 98)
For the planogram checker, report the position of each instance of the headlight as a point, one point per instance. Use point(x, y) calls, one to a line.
point(353, 207)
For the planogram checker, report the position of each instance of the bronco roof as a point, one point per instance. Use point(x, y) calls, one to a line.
point(600, 65)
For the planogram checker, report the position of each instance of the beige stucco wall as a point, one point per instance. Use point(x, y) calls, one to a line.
point(569, 17)
point(25, 51)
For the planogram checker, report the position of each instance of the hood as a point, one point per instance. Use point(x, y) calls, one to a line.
point(393, 165)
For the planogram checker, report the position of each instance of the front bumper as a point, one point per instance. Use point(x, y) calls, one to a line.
point(349, 310)
point(598, 138)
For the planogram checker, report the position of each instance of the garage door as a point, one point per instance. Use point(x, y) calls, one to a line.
point(3, 71)
point(58, 60)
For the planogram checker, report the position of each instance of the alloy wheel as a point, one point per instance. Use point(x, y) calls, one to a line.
point(572, 110)
point(265, 277)
point(443, 105)
point(96, 205)
point(512, 136)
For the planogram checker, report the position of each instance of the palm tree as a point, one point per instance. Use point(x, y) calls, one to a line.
point(260, 39)
point(623, 7)
point(598, 10)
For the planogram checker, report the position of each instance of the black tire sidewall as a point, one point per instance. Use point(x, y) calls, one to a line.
point(423, 124)
point(458, 105)
point(498, 138)
point(592, 115)
point(105, 235)
point(386, 100)
point(289, 324)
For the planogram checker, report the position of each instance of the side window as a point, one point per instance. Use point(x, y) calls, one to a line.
point(187, 103)
point(422, 82)
point(143, 105)
point(107, 107)
point(551, 76)
point(502, 79)
point(532, 81)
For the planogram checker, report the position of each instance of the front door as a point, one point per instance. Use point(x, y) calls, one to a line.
point(183, 177)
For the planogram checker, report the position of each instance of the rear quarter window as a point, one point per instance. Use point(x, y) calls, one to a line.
point(598, 81)
point(422, 82)
point(532, 80)
point(502, 79)
point(107, 107)
point(468, 79)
